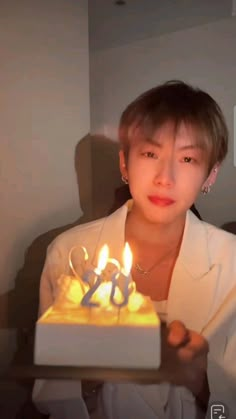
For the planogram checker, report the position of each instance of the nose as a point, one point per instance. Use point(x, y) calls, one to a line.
point(165, 173)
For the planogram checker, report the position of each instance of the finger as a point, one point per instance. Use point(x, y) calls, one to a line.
point(178, 334)
point(197, 347)
point(198, 344)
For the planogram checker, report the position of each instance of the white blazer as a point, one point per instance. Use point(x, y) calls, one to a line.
point(202, 295)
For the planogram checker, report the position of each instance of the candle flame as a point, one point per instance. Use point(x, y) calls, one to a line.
point(127, 259)
point(102, 258)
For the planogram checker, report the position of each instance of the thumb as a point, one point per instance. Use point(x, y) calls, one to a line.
point(178, 334)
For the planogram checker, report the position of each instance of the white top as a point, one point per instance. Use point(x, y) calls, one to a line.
point(202, 295)
point(161, 309)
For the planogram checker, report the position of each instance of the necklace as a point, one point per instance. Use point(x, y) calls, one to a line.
point(143, 271)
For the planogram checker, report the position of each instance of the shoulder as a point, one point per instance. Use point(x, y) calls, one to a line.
point(92, 235)
point(219, 238)
point(215, 237)
point(221, 248)
point(83, 234)
point(209, 244)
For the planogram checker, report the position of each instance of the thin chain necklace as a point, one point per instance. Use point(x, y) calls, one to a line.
point(143, 271)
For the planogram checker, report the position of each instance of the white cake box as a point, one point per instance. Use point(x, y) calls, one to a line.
point(94, 337)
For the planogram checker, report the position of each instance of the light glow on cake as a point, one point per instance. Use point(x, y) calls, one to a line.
point(70, 291)
point(74, 292)
point(102, 295)
point(136, 300)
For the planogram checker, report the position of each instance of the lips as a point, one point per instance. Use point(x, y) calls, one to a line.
point(160, 200)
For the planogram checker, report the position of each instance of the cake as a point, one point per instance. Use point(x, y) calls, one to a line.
point(101, 334)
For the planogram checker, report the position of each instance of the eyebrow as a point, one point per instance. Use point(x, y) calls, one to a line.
point(182, 148)
point(191, 147)
point(153, 142)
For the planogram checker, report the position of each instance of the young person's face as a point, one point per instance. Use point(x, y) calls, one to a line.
point(166, 174)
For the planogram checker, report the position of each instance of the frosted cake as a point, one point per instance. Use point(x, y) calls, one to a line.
point(102, 333)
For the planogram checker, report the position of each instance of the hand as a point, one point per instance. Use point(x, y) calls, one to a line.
point(184, 357)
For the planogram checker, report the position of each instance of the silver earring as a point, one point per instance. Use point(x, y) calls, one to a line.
point(124, 179)
point(206, 189)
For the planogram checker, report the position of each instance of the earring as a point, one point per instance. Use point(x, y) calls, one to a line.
point(206, 189)
point(124, 179)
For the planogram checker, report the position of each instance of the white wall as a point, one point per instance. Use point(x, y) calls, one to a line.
point(44, 112)
point(111, 25)
point(204, 56)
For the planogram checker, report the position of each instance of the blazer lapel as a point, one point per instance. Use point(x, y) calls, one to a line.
point(194, 280)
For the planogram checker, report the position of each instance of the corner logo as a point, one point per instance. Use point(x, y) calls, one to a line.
point(219, 411)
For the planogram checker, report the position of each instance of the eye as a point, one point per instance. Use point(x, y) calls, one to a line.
point(150, 155)
point(188, 159)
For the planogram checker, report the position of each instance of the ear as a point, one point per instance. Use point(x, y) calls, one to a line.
point(212, 176)
point(123, 169)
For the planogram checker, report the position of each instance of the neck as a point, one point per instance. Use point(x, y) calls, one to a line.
point(139, 229)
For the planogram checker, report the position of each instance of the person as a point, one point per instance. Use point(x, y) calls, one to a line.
point(173, 140)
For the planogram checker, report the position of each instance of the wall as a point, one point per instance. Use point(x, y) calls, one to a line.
point(44, 112)
point(111, 25)
point(203, 56)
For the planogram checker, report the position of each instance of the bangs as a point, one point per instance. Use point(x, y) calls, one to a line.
point(144, 129)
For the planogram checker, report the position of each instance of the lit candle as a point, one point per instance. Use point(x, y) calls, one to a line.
point(93, 276)
point(122, 279)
